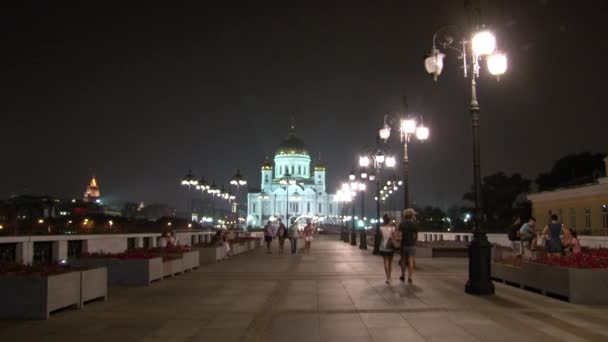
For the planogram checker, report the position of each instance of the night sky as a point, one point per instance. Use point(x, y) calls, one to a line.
point(137, 96)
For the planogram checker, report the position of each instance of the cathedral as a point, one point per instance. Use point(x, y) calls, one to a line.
point(290, 180)
point(91, 193)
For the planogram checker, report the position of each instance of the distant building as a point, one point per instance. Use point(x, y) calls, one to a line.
point(584, 207)
point(92, 193)
point(307, 197)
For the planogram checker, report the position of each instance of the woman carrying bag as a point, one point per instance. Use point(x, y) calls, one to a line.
point(390, 239)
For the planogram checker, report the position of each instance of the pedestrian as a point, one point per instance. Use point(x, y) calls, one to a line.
point(527, 234)
point(513, 235)
point(293, 236)
point(281, 235)
point(553, 233)
point(268, 235)
point(408, 243)
point(572, 245)
point(387, 245)
point(309, 231)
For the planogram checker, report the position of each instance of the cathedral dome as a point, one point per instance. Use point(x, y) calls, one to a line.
point(292, 144)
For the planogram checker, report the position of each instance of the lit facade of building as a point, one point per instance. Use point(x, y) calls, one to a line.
point(92, 193)
point(307, 197)
point(584, 208)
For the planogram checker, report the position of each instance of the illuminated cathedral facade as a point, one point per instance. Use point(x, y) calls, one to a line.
point(92, 193)
point(290, 187)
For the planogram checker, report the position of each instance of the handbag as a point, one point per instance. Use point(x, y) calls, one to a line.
point(395, 239)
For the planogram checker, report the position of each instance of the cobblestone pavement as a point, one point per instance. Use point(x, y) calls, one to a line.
point(335, 294)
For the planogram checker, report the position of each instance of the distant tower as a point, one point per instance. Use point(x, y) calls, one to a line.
point(266, 173)
point(91, 194)
point(320, 174)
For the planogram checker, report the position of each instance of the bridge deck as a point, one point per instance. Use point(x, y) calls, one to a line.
point(335, 294)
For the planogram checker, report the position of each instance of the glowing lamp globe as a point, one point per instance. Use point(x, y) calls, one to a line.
point(364, 161)
point(434, 63)
point(408, 126)
point(483, 43)
point(422, 132)
point(390, 161)
point(385, 132)
point(497, 64)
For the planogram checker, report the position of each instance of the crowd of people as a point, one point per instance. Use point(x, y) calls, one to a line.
point(293, 234)
point(555, 238)
point(400, 240)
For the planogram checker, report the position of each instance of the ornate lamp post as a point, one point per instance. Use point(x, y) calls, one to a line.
point(480, 47)
point(189, 181)
point(262, 197)
point(286, 181)
point(238, 180)
point(353, 188)
point(377, 160)
point(409, 128)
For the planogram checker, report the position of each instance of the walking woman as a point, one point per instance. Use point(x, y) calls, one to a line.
point(309, 231)
point(282, 235)
point(293, 236)
point(268, 235)
point(408, 243)
point(387, 249)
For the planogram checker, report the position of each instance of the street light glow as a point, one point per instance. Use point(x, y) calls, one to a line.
point(390, 161)
point(408, 126)
point(385, 132)
point(422, 132)
point(483, 43)
point(364, 161)
point(497, 63)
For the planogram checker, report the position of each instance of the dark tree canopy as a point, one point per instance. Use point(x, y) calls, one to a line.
point(573, 169)
point(500, 198)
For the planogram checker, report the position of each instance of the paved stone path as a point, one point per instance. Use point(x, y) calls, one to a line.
point(335, 294)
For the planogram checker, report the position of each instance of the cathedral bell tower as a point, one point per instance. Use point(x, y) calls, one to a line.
point(266, 174)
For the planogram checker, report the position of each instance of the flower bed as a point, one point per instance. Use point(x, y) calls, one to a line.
point(582, 279)
point(131, 268)
point(32, 292)
point(210, 254)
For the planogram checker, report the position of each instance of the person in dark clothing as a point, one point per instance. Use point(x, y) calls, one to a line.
point(408, 243)
point(553, 233)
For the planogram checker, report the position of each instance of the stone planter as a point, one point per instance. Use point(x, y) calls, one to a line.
point(36, 297)
point(127, 272)
point(547, 279)
point(507, 273)
point(173, 267)
point(580, 286)
point(430, 252)
point(191, 260)
point(209, 255)
point(93, 284)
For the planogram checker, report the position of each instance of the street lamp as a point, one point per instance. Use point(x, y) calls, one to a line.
point(286, 181)
point(377, 159)
point(238, 180)
point(189, 180)
point(480, 47)
point(262, 197)
point(409, 128)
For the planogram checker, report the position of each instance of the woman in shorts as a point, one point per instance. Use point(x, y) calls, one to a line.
point(309, 231)
point(387, 248)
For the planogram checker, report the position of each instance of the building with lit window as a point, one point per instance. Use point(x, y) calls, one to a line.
point(584, 208)
point(291, 187)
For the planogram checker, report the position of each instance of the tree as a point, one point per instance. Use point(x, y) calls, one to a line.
point(499, 193)
point(432, 218)
point(573, 169)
